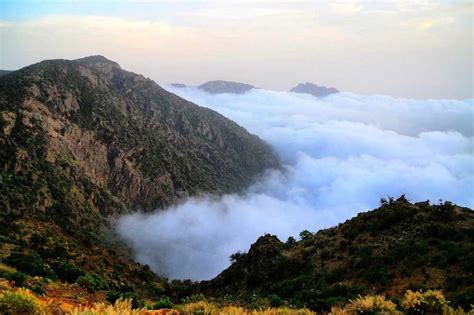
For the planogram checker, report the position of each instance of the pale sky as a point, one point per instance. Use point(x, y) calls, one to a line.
point(414, 49)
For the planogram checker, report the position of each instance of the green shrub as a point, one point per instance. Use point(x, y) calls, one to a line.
point(68, 272)
point(419, 302)
point(31, 264)
point(113, 296)
point(276, 301)
point(136, 301)
point(163, 303)
point(305, 235)
point(37, 289)
point(14, 303)
point(370, 304)
point(92, 282)
point(18, 277)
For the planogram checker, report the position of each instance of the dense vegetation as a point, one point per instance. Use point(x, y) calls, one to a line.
point(397, 247)
point(396, 251)
point(23, 301)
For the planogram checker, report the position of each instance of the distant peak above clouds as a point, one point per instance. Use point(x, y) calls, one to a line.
point(220, 86)
point(179, 85)
point(313, 89)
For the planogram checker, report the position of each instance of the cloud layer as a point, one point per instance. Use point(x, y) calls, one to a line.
point(341, 154)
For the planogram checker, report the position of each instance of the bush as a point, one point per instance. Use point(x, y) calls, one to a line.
point(163, 303)
point(12, 303)
point(464, 299)
point(236, 256)
point(201, 308)
point(92, 282)
point(370, 304)
point(68, 272)
point(18, 277)
point(276, 301)
point(5, 271)
point(37, 289)
point(31, 264)
point(419, 302)
point(114, 296)
point(305, 235)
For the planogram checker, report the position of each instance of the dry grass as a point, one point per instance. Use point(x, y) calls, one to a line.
point(371, 304)
point(13, 300)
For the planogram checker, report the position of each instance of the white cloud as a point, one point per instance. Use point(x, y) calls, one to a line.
point(341, 154)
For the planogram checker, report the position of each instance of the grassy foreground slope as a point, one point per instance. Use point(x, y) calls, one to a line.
point(398, 254)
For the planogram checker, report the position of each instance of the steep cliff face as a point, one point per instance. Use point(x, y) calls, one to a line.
point(84, 140)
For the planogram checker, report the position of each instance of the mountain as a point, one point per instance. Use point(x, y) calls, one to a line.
point(313, 89)
point(84, 141)
point(397, 246)
point(219, 86)
point(3, 72)
point(179, 85)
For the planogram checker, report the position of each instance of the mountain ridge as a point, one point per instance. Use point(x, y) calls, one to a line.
point(84, 141)
point(399, 246)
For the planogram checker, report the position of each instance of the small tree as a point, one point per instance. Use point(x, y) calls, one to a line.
point(236, 256)
point(291, 241)
point(305, 235)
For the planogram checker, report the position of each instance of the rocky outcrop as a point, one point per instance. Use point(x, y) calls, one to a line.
point(313, 89)
point(219, 86)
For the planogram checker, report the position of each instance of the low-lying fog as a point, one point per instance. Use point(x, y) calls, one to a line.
point(342, 154)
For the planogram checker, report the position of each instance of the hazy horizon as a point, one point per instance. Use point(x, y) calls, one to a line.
point(409, 49)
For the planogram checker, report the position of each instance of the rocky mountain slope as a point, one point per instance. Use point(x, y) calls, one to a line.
point(219, 86)
point(84, 141)
point(398, 246)
point(313, 89)
point(3, 72)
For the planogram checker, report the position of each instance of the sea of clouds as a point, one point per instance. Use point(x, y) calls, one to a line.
point(341, 154)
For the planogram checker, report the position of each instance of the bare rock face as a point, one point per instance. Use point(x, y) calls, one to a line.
point(219, 86)
point(313, 89)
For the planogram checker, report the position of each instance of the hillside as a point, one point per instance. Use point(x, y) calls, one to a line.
point(396, 247)
point(3, 72)
point(84, 141)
